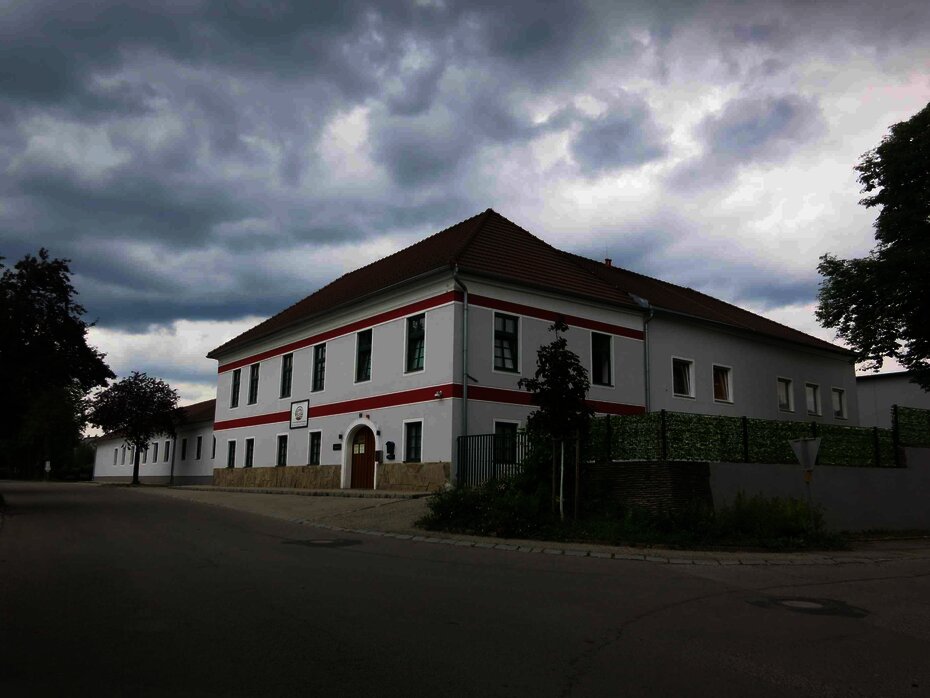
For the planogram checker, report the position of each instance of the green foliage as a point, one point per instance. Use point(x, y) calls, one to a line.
point(559, 388)
point(878, 303)
point(49, 365)
point(914, 426)
point(699, 437)
point(138, 407)
point(777, 520)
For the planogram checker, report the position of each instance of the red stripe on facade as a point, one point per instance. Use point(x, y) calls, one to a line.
point(386, 316)
point(551, 315)
point(409, 397)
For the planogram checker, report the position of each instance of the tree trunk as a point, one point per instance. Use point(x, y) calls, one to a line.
point(135, 466)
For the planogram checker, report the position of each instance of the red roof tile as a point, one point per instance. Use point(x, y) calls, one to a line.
point(490, 245)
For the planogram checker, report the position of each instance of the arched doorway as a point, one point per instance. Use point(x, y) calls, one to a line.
point(363, 459)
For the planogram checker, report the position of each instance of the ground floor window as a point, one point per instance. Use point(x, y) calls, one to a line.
point(167, 450)
point(231, 454)
point(155, 452)
point(282, 450)
point(505, 442)
point(413, 442)
point(199, 446)
point(316, 441)
point(249, 452)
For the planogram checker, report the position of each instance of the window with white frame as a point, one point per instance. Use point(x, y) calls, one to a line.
point(253, 383)
point(115, 455)
point(363, 356)
point(236, 382)
point(839, 403)
point(812, 397)
point(416, 343)
point(413, 442)
point(230, 454)
point(287, 370)
point(155, 452)
point(213, 455)
point(123, 456)
point(282, 450)
point(505, 442)
point(506, 342)
point(722, 387)
point(601, 373)
point(319, 367)
point(184, 449)
point(682, 380)
point(249, 452)
point(199, 449)
point(167, 450)
point(316, 442)
point(785, 395)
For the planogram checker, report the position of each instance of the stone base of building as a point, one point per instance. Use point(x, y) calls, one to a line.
point(413, 477)
point(306, 477)
point(179, 480)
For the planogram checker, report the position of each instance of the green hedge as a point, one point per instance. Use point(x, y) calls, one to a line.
point(701, 437)
point(913, 426)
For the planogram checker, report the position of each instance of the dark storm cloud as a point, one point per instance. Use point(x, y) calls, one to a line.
point(747, 131)
point(625, 135)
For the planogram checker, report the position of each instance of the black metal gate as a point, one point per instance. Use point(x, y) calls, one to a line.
point(483, 457)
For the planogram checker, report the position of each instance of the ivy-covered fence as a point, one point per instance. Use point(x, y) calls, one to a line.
point(678, 436)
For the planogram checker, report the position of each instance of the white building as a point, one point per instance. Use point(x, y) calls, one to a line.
point(879, 391)
point(186, 458)
point(371, 379)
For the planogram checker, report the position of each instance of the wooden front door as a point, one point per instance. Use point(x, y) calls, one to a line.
point(363, 459)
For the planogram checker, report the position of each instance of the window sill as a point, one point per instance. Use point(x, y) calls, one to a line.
point(723, 402)
point(507, 371)
point(416, 370)
point(603, 385)
point(787, 410)
point(359, 382)
point(683, 397)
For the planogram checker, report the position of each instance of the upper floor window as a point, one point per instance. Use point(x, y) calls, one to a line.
point(282, 450)
point(199, 446)
point(316, 441)
point(812, 395)
point(416, 342)
point(413, 441)
point(253, 383)
point(234, 395)
point(600, 359)
point(363, 356)
point(287, 369)
point(722, 389)
point(319, 367)
point(839, 403)
point(249, 453)
point(682, 383)
point(785, 395)
point(506, 342)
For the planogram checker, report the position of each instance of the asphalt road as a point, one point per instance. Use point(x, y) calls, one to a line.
point(107, 591)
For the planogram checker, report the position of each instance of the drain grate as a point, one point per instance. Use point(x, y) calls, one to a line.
point(817, 607)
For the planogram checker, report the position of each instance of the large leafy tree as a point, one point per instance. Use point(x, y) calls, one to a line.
point(137, 408)
point(880, 304)
point(48, 365)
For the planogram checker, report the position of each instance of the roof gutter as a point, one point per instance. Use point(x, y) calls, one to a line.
point(458, 281)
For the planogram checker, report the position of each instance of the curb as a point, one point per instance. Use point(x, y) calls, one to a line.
point(347, 494)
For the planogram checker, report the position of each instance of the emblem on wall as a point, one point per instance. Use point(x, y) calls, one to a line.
point(300, 414)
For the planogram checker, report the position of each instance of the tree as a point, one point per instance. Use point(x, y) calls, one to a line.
point(138, 407)
point(559, 387)
point(880, 304)
point(49, 367)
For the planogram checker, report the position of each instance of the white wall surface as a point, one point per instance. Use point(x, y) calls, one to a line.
point(756, 364)
point(878, 393)
point(189, 469)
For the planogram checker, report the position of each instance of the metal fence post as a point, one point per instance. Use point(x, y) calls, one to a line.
point(895, 434)
point(663, 435)
point(608, 432)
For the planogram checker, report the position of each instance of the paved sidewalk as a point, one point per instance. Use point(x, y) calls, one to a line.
point(393, 515)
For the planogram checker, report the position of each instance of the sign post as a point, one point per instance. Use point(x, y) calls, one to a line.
point(805, 450)
point(48, 469)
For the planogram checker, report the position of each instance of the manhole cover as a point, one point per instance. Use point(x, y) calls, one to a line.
point(819, 607)
point(323, 542)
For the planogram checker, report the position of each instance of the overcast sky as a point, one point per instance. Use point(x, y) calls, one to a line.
point(205, 164)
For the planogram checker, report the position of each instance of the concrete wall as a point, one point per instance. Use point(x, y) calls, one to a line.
point(188, 470)
point(853, 498)
point(877, 393)
point(755, 362)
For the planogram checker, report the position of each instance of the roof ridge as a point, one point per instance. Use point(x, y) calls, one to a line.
point(480, 220)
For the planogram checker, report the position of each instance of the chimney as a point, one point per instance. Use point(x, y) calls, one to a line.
point(608, 261)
